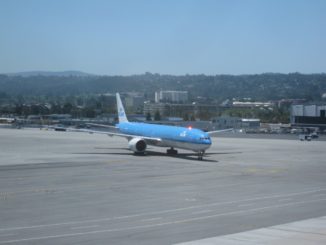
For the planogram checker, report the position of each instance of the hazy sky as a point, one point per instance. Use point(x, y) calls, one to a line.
point(163, 36)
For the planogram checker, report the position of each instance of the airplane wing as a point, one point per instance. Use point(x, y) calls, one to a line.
point(220, 131)
point(128, 136)
point(100, 125)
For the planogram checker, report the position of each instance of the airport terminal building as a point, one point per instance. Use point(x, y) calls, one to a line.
point(308, 115)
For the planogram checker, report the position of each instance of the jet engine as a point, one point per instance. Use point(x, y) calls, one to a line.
point(137, 145)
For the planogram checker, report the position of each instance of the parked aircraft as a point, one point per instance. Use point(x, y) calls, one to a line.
point(139, 135)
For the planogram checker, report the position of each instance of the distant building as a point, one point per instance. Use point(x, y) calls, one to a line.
point(152, 108)
point(225, 122)
point(136, 103)
point(251, 104)
point(171, 96)
point(308, 115)
point(251, 123)
point(179, 110)
point(275, 128)
point(54, 117)
point(288, 102)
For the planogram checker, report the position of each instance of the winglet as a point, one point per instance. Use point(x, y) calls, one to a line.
point(121, 111)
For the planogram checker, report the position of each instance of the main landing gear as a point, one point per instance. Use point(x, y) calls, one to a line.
point(201, 155)
point(171, 151)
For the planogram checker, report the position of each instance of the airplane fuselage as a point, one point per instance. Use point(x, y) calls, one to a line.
point(171, 136)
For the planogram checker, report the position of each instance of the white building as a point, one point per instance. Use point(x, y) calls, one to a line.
point(309, 115)
point(248, 104)
point(171, 96)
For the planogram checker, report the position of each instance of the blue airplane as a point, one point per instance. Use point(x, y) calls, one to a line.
point(140, 135)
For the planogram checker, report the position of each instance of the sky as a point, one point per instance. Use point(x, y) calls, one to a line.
point(176, 37)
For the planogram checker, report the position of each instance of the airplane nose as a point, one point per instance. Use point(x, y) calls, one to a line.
point(207, 141)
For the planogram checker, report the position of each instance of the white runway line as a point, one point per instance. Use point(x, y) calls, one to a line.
point(202, 212)
point(84, 227)
point(239, 212)
point(310, 231)
point(246, 205)
point(152, 219)
point(165, 211)
point(285, 200)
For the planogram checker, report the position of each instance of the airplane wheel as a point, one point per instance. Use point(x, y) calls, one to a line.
point(201, 155)
point(171, 151)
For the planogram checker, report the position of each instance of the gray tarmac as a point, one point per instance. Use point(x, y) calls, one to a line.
point(78, 188)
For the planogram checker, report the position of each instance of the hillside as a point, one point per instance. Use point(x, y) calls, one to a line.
point(268, 86)
point(50, 73)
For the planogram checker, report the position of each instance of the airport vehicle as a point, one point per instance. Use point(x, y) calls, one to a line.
point(303, 137)
point(314, 135)
point(59, 128)
point(139, 135)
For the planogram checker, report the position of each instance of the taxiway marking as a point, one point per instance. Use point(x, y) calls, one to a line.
point(245, 205)
point(163, 211)
point(202, 212)
point(285, 200)
point(161, 224)
point(84, 227)
point(152, 219)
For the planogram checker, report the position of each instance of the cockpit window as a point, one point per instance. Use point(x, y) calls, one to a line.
point(204, 138)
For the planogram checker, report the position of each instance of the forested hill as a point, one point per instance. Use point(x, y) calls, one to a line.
point(268, 86)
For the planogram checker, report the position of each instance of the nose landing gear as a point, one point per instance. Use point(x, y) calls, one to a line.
point(201, 155)
point(171, 151)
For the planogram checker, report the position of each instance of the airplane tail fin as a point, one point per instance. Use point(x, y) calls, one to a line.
point(121, 111)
